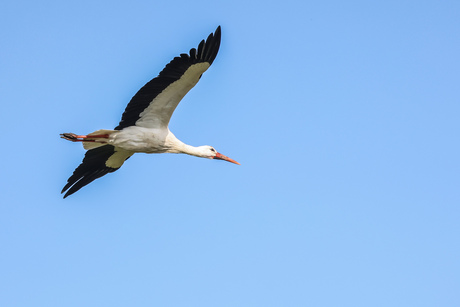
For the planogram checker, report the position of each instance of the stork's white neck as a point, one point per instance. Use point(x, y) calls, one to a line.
point(178, 146)
point(194, 151)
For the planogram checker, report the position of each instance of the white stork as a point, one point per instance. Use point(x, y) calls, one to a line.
point(144, 123)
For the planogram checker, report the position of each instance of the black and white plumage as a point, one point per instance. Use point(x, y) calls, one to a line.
point(144, 123)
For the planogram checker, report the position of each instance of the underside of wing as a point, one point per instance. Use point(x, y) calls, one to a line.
point(154, 103)
point(96, 163)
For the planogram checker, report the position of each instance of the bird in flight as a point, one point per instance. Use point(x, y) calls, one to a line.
point(144, 123)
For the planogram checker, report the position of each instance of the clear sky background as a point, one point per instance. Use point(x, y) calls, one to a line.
point(344, 116)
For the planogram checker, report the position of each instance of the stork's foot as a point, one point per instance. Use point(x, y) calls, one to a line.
point(84, 138)
point(70, 137)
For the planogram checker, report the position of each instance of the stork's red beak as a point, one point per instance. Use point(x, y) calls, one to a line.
point(222, 157)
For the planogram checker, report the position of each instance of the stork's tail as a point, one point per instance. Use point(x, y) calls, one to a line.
point(90, 141)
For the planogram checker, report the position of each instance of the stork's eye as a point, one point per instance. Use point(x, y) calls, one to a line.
point(213, 150)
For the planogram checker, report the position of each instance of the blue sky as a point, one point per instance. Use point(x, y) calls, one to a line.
point(343, 114)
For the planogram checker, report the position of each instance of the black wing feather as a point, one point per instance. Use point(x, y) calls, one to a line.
point(206, 52)
point(92, 167)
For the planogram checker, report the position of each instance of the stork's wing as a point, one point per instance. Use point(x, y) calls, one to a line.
point(154, 103)
point(97, 162)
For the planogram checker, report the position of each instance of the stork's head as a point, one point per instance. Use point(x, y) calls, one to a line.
point(210, 153)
